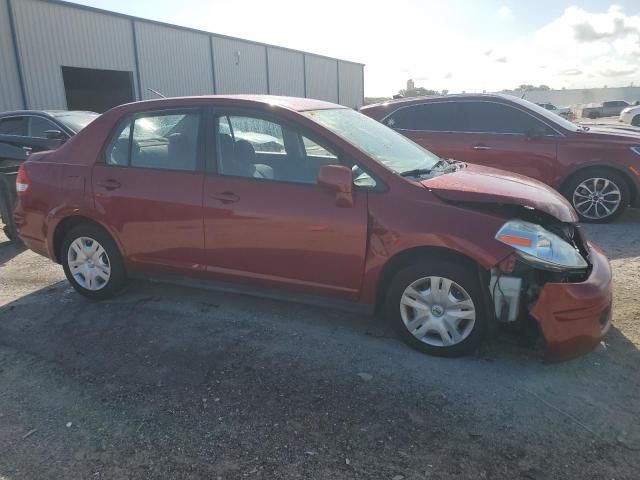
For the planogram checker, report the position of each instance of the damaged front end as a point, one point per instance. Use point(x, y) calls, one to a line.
point(559, 279)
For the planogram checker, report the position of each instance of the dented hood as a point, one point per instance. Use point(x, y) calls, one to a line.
point(488, 185)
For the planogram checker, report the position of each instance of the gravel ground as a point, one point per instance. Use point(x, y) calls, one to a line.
point(170, 382)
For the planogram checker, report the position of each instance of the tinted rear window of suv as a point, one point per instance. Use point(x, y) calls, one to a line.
point(435, 117)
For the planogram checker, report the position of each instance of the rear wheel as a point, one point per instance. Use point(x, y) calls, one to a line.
point(437, 307)
point(599, 195)
point(92, 262)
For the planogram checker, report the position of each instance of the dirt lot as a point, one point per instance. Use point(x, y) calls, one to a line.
point(170, 382)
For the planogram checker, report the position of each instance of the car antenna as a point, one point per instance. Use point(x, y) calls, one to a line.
point(156, 92)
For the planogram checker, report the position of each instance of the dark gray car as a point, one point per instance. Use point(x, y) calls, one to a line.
point(23, 132)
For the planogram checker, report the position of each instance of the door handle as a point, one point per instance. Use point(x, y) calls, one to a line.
point(110, 184)
point(225, 197)
point(481, 147)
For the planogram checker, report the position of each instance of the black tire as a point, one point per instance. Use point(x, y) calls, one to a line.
point(635, 121)
point(593, 115)
point(118, 275)
point(462, 274)
point(606, 173)
point(6, 213)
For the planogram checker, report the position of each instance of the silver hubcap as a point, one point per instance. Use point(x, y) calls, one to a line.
point(437, 311)
point(596, 198)
point(89, 263)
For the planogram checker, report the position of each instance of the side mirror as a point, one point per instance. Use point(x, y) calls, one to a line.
point(535, 133)
point(338, 179)
point(55, 135)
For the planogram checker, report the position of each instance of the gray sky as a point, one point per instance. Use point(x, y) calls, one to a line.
point(458, 45)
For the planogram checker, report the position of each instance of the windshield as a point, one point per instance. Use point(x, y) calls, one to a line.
point(384, 145)
point(548, 114)
point(76, 121)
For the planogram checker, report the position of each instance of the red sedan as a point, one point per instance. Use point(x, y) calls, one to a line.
point(596, 169)
point(318, 199)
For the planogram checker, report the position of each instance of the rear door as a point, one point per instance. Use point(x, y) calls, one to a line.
point(267, 219)
point(432, 125)
point(149, 188)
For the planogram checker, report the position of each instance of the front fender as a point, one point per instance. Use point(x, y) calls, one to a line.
point(431, 224)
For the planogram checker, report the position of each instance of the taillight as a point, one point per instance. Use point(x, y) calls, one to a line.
point(22, 181)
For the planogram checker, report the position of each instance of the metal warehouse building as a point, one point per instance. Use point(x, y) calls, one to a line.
point(58, 55)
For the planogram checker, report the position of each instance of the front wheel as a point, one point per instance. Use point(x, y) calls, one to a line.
point(437, 307)
point(635, 121)
point(598, 195)
point(92, 262)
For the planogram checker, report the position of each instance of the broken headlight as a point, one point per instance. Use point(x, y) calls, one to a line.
point(539, 247)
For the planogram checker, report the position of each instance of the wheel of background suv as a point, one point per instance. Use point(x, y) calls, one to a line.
point(635, 121)
point(599, 195)
point(92, 262)
point(437, 307)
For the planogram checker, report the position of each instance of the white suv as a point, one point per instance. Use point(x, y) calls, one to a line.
point(631, 115)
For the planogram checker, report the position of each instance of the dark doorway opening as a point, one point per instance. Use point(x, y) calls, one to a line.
point(96, 90)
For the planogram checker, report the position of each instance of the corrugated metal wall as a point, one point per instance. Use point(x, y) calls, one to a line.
point(286, 72)
point(351, 84)
point(241, 67)
point(172, 61)
point(10, 94)
point(322, 78)
point(50, 36)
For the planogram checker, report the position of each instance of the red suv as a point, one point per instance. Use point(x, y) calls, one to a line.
point(596, 169)
point(319, 199)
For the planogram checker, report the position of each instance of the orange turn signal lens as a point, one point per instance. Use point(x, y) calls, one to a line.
point(515, 241)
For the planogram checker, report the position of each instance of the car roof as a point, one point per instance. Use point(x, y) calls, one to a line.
point(46, 113)
point(429, 98)
point(291, 103)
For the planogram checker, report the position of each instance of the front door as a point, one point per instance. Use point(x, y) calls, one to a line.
point(501, 136)
point(149, 188)
point(267, 220)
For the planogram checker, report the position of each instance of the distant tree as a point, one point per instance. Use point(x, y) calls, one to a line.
point(372, 100)
point(417, 92)
point(528, 88)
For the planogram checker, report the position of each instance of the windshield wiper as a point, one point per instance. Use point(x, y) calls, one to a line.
point(424, 171)
point(416, 172)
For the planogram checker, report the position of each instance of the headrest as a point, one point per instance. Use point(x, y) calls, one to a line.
point(245, 153)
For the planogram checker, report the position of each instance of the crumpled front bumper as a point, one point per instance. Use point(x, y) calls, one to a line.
point(574, 317)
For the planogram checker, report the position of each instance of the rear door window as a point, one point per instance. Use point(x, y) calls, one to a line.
point(14, 126)
point(165, 141)
point(490, 117)
point(433, 117)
